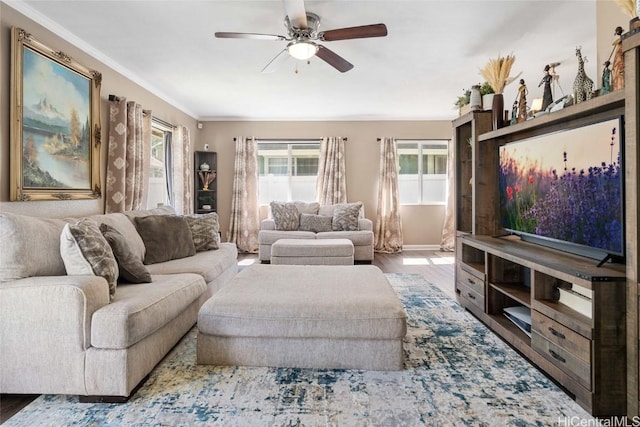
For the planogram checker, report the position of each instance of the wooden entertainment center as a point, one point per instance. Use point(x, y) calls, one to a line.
point(585, 351)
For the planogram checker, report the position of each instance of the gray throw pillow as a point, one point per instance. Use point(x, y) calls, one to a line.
point(345, 216)
point(315, 223)
point(285, 216)
point(131, 268)
point(307, 207)
point(205, 231)
point(85, 251)
point(165, 237)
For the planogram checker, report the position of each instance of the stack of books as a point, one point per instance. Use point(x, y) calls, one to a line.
point(577, 298)
point(520, 316)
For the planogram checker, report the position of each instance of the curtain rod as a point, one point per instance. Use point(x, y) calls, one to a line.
point(419, 139)
point(163, 123)
point(290, 139)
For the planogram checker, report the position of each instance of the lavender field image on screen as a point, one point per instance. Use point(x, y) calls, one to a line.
point(565, 186)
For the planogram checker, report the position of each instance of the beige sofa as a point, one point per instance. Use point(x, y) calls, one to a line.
point(361, 234)
point(61, 334)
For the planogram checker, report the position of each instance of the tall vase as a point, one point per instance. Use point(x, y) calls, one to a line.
point(497, 109)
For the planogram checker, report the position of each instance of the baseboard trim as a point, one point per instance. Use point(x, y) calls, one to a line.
point(420, 247)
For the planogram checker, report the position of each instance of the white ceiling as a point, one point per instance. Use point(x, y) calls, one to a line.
point(433, 51)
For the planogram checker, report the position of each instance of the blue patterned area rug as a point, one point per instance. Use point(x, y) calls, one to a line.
point(457, 373)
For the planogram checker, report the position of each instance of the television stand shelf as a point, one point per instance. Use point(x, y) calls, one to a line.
point(581, 345)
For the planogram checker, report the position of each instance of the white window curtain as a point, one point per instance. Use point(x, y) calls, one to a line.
point(331, 186)
point(182, 168)
point(388, 231)
point(128, 157)
point(448, 229)
point(245, 218)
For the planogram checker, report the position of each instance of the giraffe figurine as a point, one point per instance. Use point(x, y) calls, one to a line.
point(582, 85)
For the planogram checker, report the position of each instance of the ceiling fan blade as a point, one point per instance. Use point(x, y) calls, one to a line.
point(253, 36)
point(364, 31)
point(333, 59)
point(277, 60)
point(296, 13)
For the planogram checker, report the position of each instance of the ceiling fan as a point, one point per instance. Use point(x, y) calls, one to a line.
point(303, 35)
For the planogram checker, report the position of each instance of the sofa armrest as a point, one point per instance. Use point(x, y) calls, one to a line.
point(267, 224)
point(51, 310)
point(365, 224)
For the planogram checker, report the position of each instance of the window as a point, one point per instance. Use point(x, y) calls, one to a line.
point(158, 186)
point(422, 178)
point(288, 170)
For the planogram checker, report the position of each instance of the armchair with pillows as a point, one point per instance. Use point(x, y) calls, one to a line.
point(302, 220)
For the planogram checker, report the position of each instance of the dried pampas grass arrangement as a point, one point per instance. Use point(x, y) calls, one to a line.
point(629, 7)
point(496, 72)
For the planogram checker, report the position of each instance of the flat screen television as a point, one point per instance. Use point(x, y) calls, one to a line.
point(565, 189)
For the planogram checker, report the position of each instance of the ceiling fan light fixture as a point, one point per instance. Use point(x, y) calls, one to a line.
point(302, 50)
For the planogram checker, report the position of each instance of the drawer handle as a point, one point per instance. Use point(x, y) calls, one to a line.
point(471, 281)
point(557, 356)
point(471, 295)
point(556, 333)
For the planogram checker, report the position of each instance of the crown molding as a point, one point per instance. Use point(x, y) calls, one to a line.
point(65, 34)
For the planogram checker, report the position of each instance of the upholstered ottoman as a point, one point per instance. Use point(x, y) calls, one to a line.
point(312, 252)
point(304, 316)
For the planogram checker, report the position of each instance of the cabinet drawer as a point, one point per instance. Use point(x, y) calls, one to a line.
point(561, 336)
point(575, 367)
point(469, 280)
point(471, 295)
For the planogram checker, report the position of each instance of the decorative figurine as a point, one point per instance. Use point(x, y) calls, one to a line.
point(206, 178)
point(606, 79)
point(522, 102)
point(514, 113)
point(582, 85)
point(617, 71)
point(204, 166)
point(547, 96)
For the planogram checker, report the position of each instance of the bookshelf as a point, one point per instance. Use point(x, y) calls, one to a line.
point(206, 199)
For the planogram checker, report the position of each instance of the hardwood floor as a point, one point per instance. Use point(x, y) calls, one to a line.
point(437, 267)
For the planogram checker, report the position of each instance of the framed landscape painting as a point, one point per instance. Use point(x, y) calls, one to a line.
point(55, 124)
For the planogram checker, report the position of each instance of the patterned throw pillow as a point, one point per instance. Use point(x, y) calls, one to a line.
point(345, 216)
point(130, 266)
point(285, 216)
point(85, 251)
point(205, 231)
point(165, 237)
point(307, 207)
point(315, 223)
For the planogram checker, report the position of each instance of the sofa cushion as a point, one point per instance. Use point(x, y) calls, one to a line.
point(124, 226)
point(268, 237)
point(165, 237)
point(137, 311)
point(315, 223)
point(205, 231)
point(85, 251)
point(345, 216)
point(285, 215)
point(130, 267)
point(30, 247)
point(209, 264)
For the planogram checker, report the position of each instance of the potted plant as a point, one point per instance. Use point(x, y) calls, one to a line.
point(486, 91)
point(463, 102)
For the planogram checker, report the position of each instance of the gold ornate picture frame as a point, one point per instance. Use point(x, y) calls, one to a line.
point(55, 124)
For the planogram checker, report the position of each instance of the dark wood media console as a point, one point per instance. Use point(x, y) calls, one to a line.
point(585, 353)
